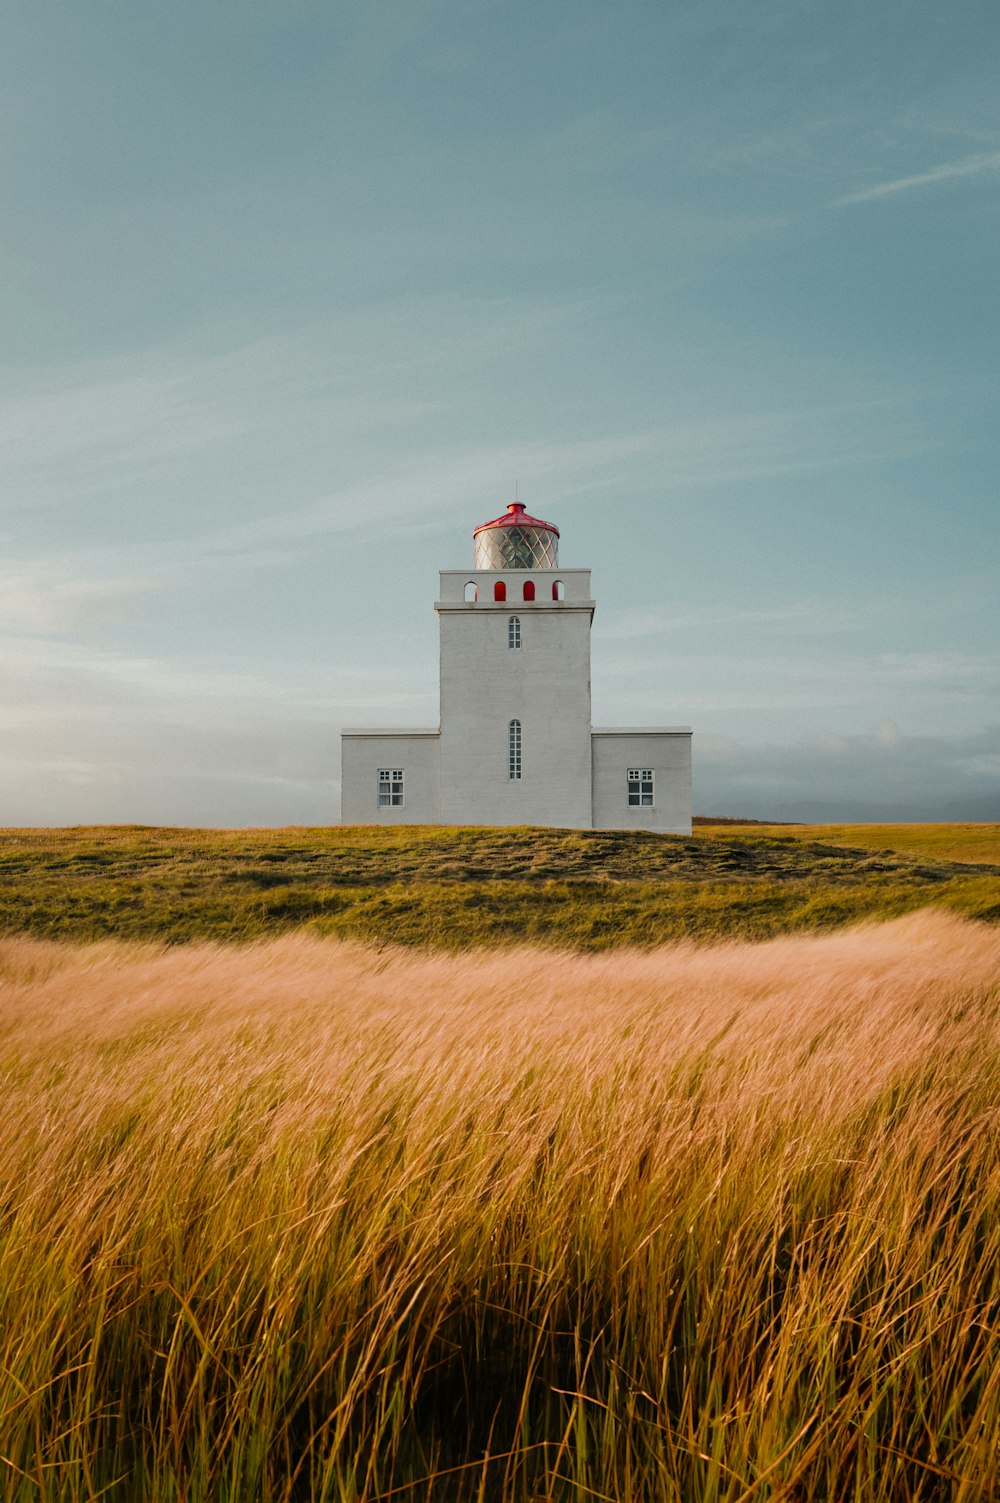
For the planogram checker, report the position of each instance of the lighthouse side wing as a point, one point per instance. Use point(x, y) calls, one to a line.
point(642, 779)
point(389, 776)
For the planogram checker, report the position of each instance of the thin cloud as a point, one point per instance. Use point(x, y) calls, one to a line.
point(984, 161)
point(38, 597)
point(628, 625)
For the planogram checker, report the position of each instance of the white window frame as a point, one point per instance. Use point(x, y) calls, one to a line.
point(391, 787)
point(640, 783)
point(514, 632)
point(514, 751)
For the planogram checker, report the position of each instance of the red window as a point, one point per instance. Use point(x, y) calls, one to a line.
point(499, 590)
point(529, 589)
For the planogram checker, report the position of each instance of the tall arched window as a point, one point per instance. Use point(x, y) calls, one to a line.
point(513, 631)
point(529, 589)
point(558, 590)
point(471, 592)
point(514, 750)
point(499, 590)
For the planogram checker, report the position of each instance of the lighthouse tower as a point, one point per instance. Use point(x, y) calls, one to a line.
point(515, 743)
point(515, 680)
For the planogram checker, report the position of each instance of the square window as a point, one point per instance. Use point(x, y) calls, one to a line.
point(640, 788)
point(390, 787)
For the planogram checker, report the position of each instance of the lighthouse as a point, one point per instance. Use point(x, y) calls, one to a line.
point(515, 744)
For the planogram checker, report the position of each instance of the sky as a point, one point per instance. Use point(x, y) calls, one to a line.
point(293, 295)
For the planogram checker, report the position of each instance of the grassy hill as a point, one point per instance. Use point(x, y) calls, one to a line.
point(312, 1222)
point(458, 887)
point(945, 842)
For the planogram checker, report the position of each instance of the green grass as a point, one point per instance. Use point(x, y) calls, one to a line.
point(940, 842)
point(457, 887)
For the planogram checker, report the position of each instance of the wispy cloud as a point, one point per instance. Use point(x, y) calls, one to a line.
point(628, 625)
point(38, 597)
point(765, 684)
point(974, 166)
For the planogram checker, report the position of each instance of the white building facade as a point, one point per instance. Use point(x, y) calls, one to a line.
point(515, 744)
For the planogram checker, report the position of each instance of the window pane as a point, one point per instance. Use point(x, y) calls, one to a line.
point(390, 787)
point(516, 548)
point(639, 784)
point(514, 749)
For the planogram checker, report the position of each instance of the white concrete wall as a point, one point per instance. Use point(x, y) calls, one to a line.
point(362, 753)
point(668, 753)
point(545, 684)
point(570, 776)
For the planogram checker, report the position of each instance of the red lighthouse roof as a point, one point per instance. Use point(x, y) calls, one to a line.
point(516, 516)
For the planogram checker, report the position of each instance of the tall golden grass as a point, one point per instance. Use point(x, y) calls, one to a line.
point(309, 1220)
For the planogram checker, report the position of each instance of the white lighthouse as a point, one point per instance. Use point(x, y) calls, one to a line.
point(515, 744)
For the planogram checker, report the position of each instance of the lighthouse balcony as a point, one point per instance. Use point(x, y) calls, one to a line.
point(486, 589)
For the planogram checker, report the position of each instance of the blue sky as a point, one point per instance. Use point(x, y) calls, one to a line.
point(291, 295)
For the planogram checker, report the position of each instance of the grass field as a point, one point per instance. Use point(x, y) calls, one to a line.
point(303, 1220)
point(455, 888)
point(943, 842)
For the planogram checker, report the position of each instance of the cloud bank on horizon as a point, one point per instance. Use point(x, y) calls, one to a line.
point(293, 294)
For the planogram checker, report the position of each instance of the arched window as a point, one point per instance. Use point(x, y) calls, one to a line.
point(513, 631)
point(499, 590)
point(558, 590)
point(529, 589)
point(471, 592)
point(514, 750)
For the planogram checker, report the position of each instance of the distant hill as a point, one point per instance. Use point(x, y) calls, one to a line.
point(724, 819)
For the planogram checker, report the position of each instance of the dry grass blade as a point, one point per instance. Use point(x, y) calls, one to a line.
point(311, 1221)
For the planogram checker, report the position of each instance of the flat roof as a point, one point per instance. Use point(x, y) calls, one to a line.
point(390, 730)
point(597, 730)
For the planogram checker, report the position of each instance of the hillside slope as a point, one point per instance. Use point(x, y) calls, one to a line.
point(455, 887)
